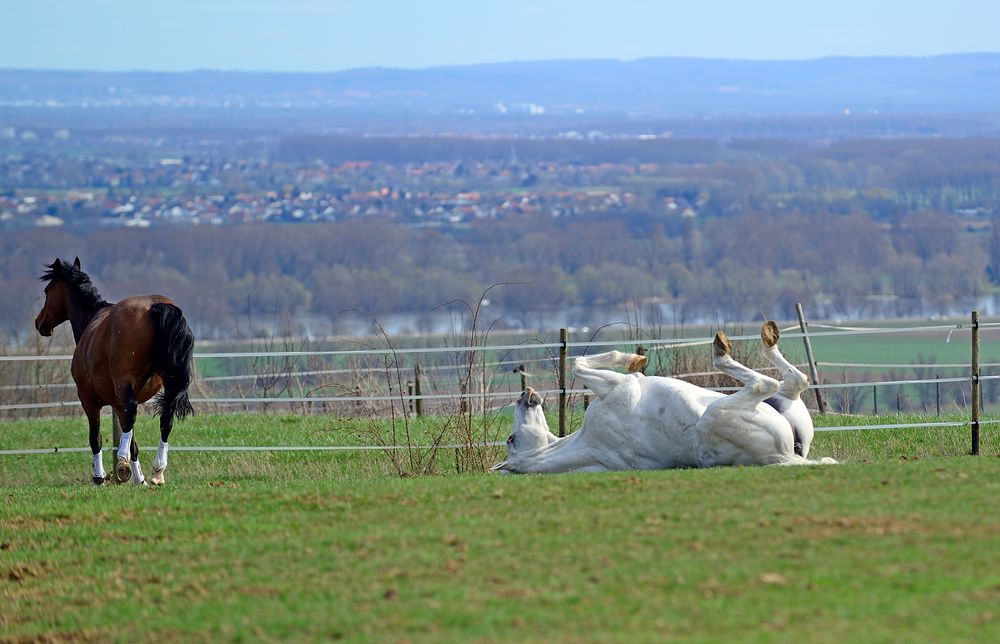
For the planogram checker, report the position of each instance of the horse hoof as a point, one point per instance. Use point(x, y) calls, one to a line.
point(721, 345)
point(636, 363)
point(158, 476)
point(98, 480)
point(123, 471)
point(769, 334)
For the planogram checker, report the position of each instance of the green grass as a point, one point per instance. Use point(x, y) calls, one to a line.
point(899, 543)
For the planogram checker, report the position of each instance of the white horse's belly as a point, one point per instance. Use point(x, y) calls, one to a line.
point(648, 424)
point(760, 436)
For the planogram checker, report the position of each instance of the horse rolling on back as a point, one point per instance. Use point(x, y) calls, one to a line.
point(125, 353)
point(640, 422)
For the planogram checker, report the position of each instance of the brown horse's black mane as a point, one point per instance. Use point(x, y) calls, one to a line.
point(77, 280)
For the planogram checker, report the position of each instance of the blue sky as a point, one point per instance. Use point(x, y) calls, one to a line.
point(329, 35)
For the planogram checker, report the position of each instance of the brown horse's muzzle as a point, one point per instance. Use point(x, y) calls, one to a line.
point(43, 329)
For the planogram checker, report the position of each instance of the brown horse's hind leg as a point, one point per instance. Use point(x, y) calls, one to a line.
point(158, 477)
point(127, 464)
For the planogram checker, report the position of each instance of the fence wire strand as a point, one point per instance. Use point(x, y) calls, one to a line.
point(652, 344)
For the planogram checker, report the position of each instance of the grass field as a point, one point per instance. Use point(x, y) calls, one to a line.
point(899, 543)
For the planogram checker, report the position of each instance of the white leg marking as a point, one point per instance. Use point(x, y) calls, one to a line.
point(124, 449)
point(159, 465)
point(160, 462)
point(99, 465)
point(137, 477)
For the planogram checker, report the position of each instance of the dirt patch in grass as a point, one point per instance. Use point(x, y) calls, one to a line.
point(826, 527)
point(54, 637)
point(21, 573)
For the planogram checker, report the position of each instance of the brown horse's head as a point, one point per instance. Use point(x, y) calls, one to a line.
point(60, 275)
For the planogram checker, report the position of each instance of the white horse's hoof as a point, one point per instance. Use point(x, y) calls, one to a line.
point(98, 480)
point(636, 363)
point(158, 476)
point(721, 345)
point(769, 334)
point(123, 470)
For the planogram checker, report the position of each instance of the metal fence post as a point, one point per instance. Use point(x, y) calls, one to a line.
point(563, 339)
point(820, 403)
point(937, 393)
point(975, 383)
point(416, 389)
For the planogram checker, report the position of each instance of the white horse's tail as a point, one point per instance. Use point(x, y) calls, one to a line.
point(502, 467)
point(795, 459)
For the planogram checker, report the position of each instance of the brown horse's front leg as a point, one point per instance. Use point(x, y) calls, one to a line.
point(93, 411)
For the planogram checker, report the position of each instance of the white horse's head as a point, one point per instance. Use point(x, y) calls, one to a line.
point(530, 432)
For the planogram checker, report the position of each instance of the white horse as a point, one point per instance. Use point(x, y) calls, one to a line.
point(644, 423)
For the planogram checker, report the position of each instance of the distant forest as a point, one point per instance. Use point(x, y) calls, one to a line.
point(851, 225)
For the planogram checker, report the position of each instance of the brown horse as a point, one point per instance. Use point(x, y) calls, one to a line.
point(125, 353)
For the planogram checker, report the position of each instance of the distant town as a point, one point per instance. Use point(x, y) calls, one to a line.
point(46, 188)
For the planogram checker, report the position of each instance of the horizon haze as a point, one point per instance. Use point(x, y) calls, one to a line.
point(338, 35)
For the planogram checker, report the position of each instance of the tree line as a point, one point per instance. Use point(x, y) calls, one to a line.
point(727, 268)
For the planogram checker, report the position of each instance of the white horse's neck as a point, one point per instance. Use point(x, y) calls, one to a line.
point(533, 448)
point(530, 438)
point(531, 430)
point(569, 454)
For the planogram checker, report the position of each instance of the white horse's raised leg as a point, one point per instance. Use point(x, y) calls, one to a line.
point(757, 386)
point(734, 430)
point(595, 372)
point(793, 381)
point(788, 401)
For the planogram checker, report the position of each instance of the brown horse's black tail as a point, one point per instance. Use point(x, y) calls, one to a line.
point(173, 359)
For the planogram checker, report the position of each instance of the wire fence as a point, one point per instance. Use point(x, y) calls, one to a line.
point(481, 377)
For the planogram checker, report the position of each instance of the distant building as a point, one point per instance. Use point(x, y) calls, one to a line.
point(48, 221)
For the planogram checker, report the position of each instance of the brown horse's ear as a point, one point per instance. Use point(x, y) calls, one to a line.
point(76, 263)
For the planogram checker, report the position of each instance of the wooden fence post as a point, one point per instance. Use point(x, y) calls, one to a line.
point(116, 431)
point(416, 389)
point(409, 393)
point(524, 376)
point(564, 339)
point(975, 383)
point(820, 403)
